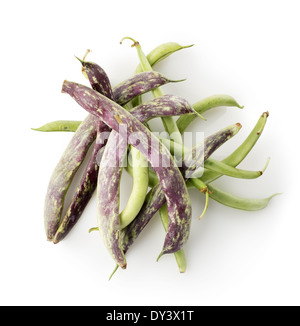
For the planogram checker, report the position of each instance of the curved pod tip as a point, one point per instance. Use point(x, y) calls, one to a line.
point(84, 57)
point(177, 80)
point(161, 254)
point(187, 46)
point(268, 199)
point(276, 194)
point(80, 60)
point(199, 115)
point(266, 165)
point(83, 62)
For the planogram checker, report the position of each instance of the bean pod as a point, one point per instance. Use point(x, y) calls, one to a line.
point(64, 172)
point(100, 83)
point(139, 84)
point(109, 221)
point(59, 125)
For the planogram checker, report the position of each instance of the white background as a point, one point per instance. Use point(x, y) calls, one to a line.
point(247, 49)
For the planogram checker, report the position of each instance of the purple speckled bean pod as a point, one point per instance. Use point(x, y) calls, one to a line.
point(100, 82)
point(85, 189)
point(155, 199)
point(166, 105)
point(64, 172)
point(138, 85)
point(97, 78)
point(193, 160)
point(170, 178)
point(108, 194)
point(110, 174)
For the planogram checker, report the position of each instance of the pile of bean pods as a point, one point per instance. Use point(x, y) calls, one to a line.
point(162, 169)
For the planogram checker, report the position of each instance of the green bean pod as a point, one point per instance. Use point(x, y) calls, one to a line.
point(161, 52)
point(242, 151)
point(204, 105)
point(246, 204)
point(225, 169)
point(139, 189)
point(59, 125)
point(151, 174)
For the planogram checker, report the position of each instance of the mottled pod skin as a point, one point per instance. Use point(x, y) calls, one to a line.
point(64, 172)
point(170, 178)
point(166, 105)
point(155, 198)
point(108, 195)
point(211, 144)
point(109, 174)
point(84, 190)
point(100, 83)
point(97, 78)
point(138, 85)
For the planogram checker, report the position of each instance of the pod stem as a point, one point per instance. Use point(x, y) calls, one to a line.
point(187, 46)
point(113, 272)
point(266, 165)
point(135, 43)
point(86, 53)
point(96, 228)
point(161, 253)
point(80, 60)
point(206, 204)
point(200, 185)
